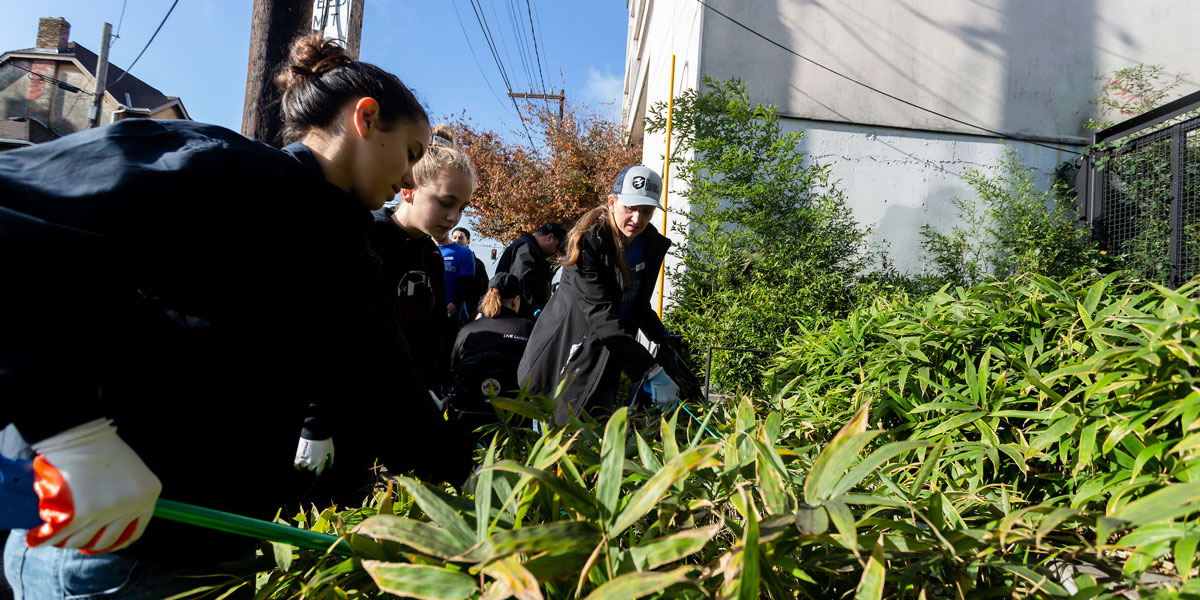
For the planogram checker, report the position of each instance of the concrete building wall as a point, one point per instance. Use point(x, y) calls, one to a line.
point(1023, 68)
point(1027, 68)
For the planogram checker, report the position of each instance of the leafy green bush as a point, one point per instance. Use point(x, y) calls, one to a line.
point(767, 238)
point(1011, 227)
point(1018, 439)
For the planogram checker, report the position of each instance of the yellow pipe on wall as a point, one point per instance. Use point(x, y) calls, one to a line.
point(666, 177)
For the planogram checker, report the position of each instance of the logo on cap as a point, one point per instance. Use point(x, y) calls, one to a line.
point(639, 182)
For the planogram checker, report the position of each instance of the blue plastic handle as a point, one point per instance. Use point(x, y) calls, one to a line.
point(18, 501)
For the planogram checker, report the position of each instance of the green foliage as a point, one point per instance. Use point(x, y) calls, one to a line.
point(1019, 439)
point(1012, 227)
point(1132, 91)
point(767, 237)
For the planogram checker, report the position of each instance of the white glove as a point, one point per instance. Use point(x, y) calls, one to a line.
point(94, 493)
point(314, 455)
point(663, 390)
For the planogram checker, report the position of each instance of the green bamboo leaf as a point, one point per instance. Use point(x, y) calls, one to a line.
point(666, 431)
point(555, 565)
point(837, 455)
point(870, 587)
point(437, 509)
point(1170, 502)
point(612, 463)
point(1032, 377)
point(572, 494)
point(1051, 434)
point(749, 584)
point(670, 548)
point(419, 535)
point(646, 454)
point(812, 520)
point(1185, 554)
point(283, 555)
point(1087, 445)
point(873, 462)
point(1151, 452)
point(770, 485)
point(1156, 532)
point(954, 423)
point(927, 467)
point(528, 410)
point(648, 495)
point(639, 585)
point(1040, 581)
point(515, 578)
point(1054, 519)
point(483, 492)
point(556, 536)
point(420, 581)
point(843, 521)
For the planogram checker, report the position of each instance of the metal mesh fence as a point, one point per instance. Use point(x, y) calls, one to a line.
point(1139, 191)
point(1189, 201)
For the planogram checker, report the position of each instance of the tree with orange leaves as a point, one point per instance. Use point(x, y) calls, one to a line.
point(521, 187)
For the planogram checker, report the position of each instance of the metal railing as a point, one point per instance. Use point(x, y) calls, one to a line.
point(1141, 191)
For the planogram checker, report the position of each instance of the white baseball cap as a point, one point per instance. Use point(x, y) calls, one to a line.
point(638, 185)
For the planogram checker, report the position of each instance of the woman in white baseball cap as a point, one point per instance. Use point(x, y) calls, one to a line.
point(586, 334)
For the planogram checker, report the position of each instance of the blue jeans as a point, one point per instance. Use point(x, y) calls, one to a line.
point(49, 573)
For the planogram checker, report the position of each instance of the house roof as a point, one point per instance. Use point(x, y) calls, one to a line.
point(127, 91)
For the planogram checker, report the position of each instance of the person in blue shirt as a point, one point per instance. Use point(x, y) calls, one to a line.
point(586, 334)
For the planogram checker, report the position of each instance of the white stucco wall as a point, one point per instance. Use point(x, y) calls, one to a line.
point(1026, 68)
point(896, 181)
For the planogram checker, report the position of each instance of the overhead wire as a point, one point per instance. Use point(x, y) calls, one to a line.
point(51, 80)
point(147, 46)
point(879, 91)
point(487, 34)
point(471, 47)
point(116, 36)
point(522, 46)
point(536, 53)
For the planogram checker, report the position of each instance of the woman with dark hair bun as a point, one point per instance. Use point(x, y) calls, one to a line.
point(180, 302)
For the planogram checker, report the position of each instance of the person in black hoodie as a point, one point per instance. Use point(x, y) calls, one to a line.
point(527, 259)
point(587, 332)
point(178, 299)
point(487, 351)
point(413, 267)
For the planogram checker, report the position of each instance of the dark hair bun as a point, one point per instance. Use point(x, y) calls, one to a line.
point(310, 57)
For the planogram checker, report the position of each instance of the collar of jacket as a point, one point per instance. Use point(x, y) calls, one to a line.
point(343, 202)
point(652, 240)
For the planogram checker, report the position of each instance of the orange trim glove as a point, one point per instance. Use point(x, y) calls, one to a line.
point(94, 493)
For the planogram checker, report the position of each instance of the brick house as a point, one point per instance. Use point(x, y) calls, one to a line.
point(45, 91)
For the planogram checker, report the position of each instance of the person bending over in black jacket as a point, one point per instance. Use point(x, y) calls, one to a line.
point(177, 345)
point(528, 260)
point(487, 351)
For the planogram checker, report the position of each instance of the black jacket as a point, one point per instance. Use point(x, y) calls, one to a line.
point(416, 290)
point(525, 261)
point(207, 292)
point(580, 331)
point(486, 354)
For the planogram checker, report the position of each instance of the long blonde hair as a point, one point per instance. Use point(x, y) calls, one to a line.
point(600, 217)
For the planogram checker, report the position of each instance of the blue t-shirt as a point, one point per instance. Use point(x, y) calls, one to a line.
point(636, 263)
point(459, 261)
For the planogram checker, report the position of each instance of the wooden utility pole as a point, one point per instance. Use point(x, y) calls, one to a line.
point(274, 24)
point(561, 96)
point(101, 79)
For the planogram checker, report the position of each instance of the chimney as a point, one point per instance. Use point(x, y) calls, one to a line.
point(53, 33)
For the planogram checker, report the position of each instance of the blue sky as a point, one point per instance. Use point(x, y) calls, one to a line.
point(435, 46)
point(201, 53)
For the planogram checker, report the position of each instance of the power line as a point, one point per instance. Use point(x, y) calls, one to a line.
point(117, 35)
point(147, 46)
point(57, 82)
point(532, 32)
point(473, 55)
point(487, 34)
point(877, 90)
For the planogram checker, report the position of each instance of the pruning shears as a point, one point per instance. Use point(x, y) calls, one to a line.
point(19, 510)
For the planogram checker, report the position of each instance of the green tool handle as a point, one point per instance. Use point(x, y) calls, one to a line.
point(255, 528)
